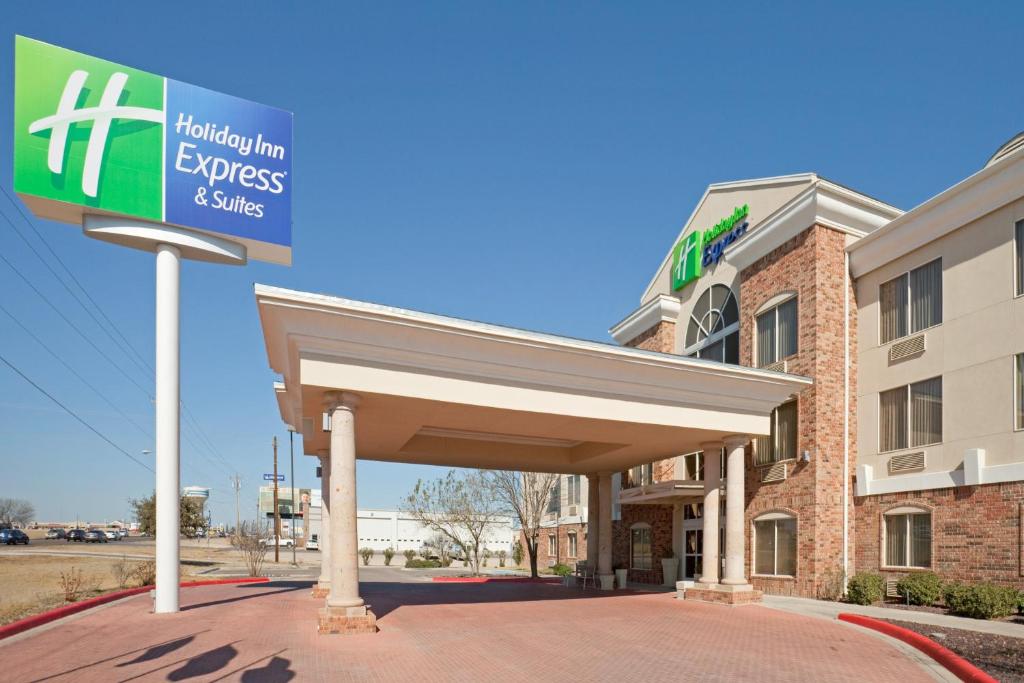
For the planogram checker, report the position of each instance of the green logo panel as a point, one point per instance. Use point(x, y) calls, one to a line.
point(686, 260)
point(87, 131)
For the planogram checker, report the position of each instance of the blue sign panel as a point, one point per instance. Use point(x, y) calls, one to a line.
point(270, 477)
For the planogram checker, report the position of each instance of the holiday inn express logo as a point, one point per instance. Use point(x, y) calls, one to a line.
point(699, 249)
point(95, 136)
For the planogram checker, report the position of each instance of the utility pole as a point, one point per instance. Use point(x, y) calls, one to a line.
point(236, 483)
point(277, 512)
point(291, 455)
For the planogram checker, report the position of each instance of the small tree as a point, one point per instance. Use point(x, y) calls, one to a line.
point(409, 555)
point(460, 507)
point(15, 512)
point(389, 553)
point(502, 554)
point(487, 555)
point(367, 554)
point(526, 495)
point(517, 553)
point(440, 546)
point(191, 521)
point(249, 542)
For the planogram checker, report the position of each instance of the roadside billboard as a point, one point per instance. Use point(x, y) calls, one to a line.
point(95, 137)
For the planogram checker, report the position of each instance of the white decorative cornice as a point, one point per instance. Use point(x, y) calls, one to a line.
point(968, 200)
point(662, 308)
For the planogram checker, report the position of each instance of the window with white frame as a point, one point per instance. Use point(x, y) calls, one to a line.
point(777, 333)
point(640, 554)
point(910, 416)
point(714, 328)
point(693, 465)
point(908, 538)
point(911, 302)
point(641, 475)
point(571, 543)
point(552, 545)
point(1018, 239)
point(555, 501)
point(573, 483)
point(1019, 391)
point(775, 545)
point(781, 443)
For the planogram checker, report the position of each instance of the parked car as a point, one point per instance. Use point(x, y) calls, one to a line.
point(56, 533)
point(111, 534)
point(13, 536)
point(122, 533)
point(95, 536)
point(313, 542)
point(75, 535)
point(283, 541)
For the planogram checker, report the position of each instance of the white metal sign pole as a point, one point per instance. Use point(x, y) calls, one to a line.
point(168, 425)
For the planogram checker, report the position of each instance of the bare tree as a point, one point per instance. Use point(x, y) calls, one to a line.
point(439, 545)
point(249, 542)
point(526, 495)
point(15, 511)
point(460, 507)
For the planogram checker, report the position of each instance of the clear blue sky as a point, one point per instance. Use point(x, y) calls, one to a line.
point(524, 163)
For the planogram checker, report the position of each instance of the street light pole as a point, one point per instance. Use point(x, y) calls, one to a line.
point(291, 455)
point(277, 512)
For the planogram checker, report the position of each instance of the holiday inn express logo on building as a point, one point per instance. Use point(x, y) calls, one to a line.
point(95, 136)
point(700, 248)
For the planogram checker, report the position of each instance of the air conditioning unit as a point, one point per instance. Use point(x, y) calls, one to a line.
point(776, 472)
point(908, 462)
point(911, 346)
point(574, 510)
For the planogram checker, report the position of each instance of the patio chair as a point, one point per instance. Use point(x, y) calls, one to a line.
point(585, 572)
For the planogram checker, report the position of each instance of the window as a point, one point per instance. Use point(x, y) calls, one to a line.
point(693, 465)
point(713, 332)
point(912, 302)
point(641, 475)
point(574, 489)
point(910, 422)
point(777, 333)
point(555, 501)
point(552, 545)
point(640, 547)
point(1019, 243)
point(1019, 392)
point(781, 443)
point(775, 545)
point(571, 550)
point(908, 538)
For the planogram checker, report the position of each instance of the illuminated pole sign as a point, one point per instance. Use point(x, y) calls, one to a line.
point(92, 136)
point(159, 165)
point(699, 249)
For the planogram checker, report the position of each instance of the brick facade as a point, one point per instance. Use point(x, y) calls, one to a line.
point(812, 265)
point(562, 531)
point(661, 337)
point(659, 517)
point(977, 531)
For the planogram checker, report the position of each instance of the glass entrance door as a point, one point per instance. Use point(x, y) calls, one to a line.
point(693, 548)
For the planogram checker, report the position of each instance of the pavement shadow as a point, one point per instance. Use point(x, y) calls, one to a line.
point(285, 587)
point(177, 642)
point(205, 663)
point(276, 671)
point(158, 651)
point(385, 597)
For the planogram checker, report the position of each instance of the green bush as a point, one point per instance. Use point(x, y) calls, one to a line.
point(865, 588)
point(367, 554)
point(422, 564)
point(561, 570)
point(409, 555)
point(517, 553)
point(981, 601)
point(1020, 603)
point(389, 553)
point(923, 588)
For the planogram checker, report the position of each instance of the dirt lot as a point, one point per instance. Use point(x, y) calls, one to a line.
point(999, 656)
point(29, 585)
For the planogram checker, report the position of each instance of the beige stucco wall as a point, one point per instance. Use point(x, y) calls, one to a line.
point(972, 349)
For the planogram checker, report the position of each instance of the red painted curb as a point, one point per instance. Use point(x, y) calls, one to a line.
point(956, 664)
point(492, 579)
point(25, 624)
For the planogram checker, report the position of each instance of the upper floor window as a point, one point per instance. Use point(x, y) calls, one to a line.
point(908, 538)
point(573, 481)
point(910, 416)
point(1018, 240)
point(641, 475)
point(640, 553)
point(912, 302)
point(1019, 391)
point(693, 465)
point(555, 501)
point(777, 333)
point(713, 331)
point(781, 443)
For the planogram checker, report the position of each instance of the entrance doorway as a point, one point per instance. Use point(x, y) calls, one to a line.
point(693, 540)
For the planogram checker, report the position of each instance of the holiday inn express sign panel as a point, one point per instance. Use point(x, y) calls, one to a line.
point(91, 136)
point(701, 248)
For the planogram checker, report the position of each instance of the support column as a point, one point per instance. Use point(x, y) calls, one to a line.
point(345, 611)
point(735, 504)
point(323, 585)
point(604, 522)
point(168, 425)
point(712, 484)
point(593, 534)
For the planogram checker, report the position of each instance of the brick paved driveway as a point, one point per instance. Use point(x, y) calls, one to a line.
point(441, 632)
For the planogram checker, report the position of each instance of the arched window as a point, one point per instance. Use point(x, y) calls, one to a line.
point(713, 330)
point(640, 552)
point(775, 544)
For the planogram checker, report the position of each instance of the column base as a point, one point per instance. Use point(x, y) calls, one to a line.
point(723, 594)
point(321, 590)
point(347, 621)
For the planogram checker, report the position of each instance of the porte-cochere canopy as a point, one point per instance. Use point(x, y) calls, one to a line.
point(444, 391)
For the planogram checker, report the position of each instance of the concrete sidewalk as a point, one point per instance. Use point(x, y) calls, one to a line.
point(830, 610)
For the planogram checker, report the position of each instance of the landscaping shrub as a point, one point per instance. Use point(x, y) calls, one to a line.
point(561, 569)
point(865, 588)
point(502, 554)
point(145, 572)
point(924, 588)
point(831, 586)
point(981, 601)
point(122, 572)
point(409, 555)
point(367, 554)
point(71, 584)
point(517, 553)
point(422, 564)
point(388, 554)
point(1020, 603)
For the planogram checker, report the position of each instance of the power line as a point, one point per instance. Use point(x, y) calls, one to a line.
point(74, 414)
